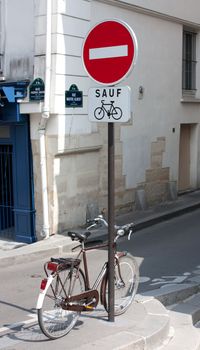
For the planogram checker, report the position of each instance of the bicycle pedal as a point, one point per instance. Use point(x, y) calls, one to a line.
point(88, 307)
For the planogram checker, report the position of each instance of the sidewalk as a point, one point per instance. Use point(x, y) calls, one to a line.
point(14, 253)
point(162, 319)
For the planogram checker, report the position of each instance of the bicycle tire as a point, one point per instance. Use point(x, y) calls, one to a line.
point(99, 113)
point(54, 321)
point(125, 287)
point(117, 113)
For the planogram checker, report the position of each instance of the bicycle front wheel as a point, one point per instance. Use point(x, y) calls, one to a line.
point(54, 321)
point(117, 113)
point(126, 279)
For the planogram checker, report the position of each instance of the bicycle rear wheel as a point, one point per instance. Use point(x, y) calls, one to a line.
point(126, 281)
point(54, 321)
point(99, 113)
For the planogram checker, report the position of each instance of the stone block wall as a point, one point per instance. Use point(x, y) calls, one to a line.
point(77, 179)
point(156, 186)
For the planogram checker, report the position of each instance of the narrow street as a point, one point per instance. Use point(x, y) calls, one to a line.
point(167, 253)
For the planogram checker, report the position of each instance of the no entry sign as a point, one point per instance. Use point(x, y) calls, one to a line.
point(109, 52)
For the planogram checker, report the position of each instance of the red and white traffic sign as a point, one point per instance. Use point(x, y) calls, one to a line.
point(109, 51)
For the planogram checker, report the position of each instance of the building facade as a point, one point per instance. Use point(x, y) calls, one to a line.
point(53, 159)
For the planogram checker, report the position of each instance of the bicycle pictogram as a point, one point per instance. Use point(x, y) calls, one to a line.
point(109, 110)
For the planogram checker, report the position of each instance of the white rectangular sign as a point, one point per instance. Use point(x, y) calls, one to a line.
point(108, 52)
point(109, 104)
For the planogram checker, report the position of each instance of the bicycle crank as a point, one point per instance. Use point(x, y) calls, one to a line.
point(85, 301)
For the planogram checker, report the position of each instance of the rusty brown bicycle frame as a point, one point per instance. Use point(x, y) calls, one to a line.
point(91, 295)
point(90, 292)
point(85, 264)
point(104, 267)
point(102, 276)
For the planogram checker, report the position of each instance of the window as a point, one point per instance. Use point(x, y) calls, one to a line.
point(189, 61)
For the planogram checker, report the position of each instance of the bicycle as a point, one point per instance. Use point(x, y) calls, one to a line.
point(113, 111)
point(66, 292)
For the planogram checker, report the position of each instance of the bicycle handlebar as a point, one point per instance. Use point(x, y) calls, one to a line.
point(121, 230)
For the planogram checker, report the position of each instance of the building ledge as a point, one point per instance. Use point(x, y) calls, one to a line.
point(79, 150)
point(30, 107)
point(189, 99)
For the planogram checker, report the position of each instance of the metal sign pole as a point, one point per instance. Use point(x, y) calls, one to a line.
point(111, 220)
point(106, 71)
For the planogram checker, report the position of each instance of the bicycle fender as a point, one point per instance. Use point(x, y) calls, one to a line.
point(120, 254)
point(43, 292)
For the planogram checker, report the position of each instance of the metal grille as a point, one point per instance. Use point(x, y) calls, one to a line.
point(189, 61)
point(6, 192)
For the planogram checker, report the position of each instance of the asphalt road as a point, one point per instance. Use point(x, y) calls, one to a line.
point(171, 248)
point(167, 253)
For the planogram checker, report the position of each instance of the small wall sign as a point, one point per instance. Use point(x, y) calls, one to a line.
point(36, 90)
point(73, 97)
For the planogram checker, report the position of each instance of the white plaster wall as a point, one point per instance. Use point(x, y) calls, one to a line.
point(19, 39)
point(72, 27)
point(70, 23)
point(159, 71)
point(184, 9)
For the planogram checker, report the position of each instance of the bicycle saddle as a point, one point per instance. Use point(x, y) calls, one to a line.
point(66, 262)
point(79, 236)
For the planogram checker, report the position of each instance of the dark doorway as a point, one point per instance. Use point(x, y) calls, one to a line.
point(6, 192)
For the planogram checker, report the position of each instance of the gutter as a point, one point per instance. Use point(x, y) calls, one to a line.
point(43, 124)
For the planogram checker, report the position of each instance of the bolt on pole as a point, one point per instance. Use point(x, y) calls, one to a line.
point(111, 220)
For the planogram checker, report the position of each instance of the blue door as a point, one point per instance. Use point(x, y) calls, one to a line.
point(17, 212)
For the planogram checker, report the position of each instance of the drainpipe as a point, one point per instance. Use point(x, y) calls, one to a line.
point(43, 124)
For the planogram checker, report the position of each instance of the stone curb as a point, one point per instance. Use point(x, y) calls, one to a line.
point(39, 250)
point(148, 334)
point(165, 335)
point(183, 317)
point(169, 214)
point(58, 244)
point(173, 294)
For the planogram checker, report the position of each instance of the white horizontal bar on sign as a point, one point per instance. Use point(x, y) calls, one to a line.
point(108, 52)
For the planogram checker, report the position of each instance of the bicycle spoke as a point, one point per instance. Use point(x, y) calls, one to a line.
point(125, 284)
point(54, 321)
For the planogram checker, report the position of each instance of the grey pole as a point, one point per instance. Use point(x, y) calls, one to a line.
point(111, 220)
